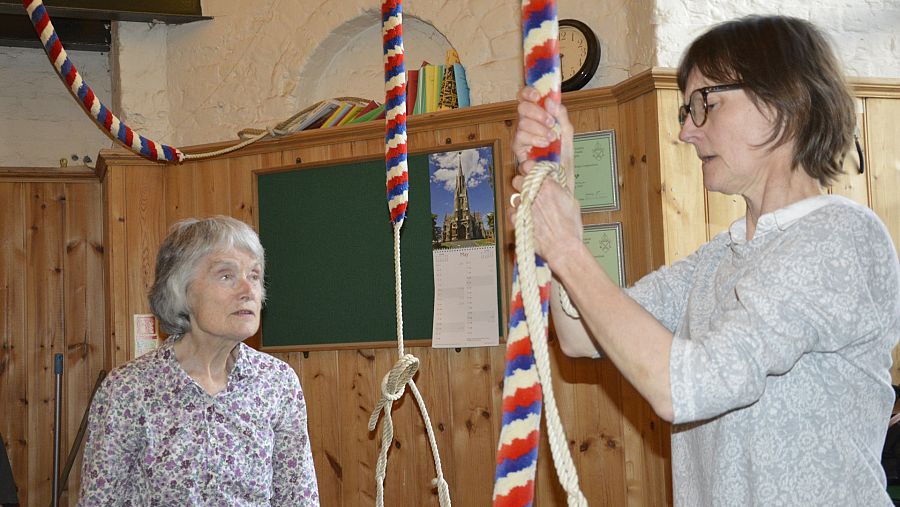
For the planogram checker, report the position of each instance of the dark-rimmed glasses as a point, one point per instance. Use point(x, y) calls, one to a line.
point(697, 106)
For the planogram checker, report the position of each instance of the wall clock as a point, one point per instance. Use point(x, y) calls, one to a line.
point(579, 54)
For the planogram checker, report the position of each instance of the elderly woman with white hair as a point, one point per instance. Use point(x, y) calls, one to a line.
point(204, 419)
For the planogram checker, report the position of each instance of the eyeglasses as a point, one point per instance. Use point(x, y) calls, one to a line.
point(697, 106)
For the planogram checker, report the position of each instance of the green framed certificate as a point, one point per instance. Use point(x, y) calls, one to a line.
point(604, 241)
point(596, 172)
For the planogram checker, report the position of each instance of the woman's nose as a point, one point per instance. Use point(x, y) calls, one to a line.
point(688, 130)
point(245, 288)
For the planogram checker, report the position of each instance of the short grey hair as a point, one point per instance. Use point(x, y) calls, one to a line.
point(187, 244)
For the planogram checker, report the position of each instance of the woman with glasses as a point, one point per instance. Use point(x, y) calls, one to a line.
point(769, 348)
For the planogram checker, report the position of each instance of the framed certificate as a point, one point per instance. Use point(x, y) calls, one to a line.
point(596, 172)
point(604, 241)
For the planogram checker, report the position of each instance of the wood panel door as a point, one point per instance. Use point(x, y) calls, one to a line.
point(51, 301)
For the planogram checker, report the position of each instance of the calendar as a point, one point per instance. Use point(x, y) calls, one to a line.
point(465, 297)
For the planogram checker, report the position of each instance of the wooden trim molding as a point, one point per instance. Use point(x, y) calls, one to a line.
point(74, 174)
point(656, 78)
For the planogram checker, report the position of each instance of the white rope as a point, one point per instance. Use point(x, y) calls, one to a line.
point(537, 324)
point(392, 386)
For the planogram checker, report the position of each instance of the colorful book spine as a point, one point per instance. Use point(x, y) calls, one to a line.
point(412, 90)
point(420, 93)
point(354, 110)
point(462, 85)
point(337, 115)
point(448, 99)
point(433, 78)
point(318, 115)
point(373, 114)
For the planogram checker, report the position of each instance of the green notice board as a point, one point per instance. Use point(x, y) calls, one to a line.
point(330, 261)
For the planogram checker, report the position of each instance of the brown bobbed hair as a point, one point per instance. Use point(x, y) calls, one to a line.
point(786, 64)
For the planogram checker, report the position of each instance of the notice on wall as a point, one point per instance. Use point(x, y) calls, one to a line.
point(146, 334)
point(464, 249)
point(465, 298)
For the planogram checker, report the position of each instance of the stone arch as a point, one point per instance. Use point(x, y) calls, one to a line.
point(349, 61)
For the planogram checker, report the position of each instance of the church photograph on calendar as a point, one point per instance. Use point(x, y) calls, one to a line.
point(462, 198)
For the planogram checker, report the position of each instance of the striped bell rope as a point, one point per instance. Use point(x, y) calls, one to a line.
point(395, 110)
point(527, 380)
point(105, 119)
point(401, 375)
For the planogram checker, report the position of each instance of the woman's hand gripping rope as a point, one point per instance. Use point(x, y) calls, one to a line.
point(546, 215)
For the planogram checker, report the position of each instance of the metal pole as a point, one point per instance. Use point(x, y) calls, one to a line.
point(58, 370)
point(73, 452)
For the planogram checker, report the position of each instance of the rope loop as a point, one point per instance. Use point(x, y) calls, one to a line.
point(530, 188)
point(536, 321)
point(394, 382)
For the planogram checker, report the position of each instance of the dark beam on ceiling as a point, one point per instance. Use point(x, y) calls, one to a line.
point(165, 11)
point(75, 34)
point(84, 24)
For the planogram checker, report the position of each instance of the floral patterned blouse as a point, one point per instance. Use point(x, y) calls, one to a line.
point(157, 438)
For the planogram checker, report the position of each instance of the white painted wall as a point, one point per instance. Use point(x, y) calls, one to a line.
point(40, 122)
point(865, 33)
point(254, 67)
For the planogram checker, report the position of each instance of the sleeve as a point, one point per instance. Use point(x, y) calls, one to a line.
point(294, 475)
point(809, 294)
point(664, 292)
point(111, 451)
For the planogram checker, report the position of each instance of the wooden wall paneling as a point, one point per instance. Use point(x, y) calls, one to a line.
point(683, 203)
point(883, 130)
point(371, 147)
point(85, 334)
point(883, 173)
point(14, 342)
point(119, 346)
point(609, 433)
point(45, 215)
point(212, 187)
point(319, 373)
point(642, 226)
point(594, 426)
point(405, 459)
point(241, 183)
point(340, 150)
point(565, 390)
point(474, 431)
point(312, 154)
point(422, 140)
point(644, 246)
point(721, 211)
point(358, 391)
point(242, 198)
point(180, 192)
point(455, 136)
point(500, 133)
point(547, 490)
point(433, 384)
point(852, 184)
point(145, 226)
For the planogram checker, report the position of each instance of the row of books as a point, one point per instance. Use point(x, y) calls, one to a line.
point(429, 88)
point(337, 112)
point(437, 87)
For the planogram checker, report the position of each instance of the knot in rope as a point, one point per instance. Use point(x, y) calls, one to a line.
point(394, 382)
point(392, 387)
point(530, 189)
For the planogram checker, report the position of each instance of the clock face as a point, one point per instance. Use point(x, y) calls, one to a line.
point(573, 51)
point(579, 54)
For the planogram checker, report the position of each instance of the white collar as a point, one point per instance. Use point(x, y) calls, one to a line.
point(781, 218)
